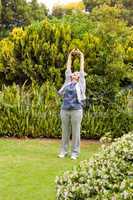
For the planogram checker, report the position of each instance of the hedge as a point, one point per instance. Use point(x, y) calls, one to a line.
point(35, 112)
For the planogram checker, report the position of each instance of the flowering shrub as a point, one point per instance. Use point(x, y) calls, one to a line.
point(109, 175)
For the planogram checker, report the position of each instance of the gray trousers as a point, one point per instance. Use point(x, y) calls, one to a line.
point(71, 123)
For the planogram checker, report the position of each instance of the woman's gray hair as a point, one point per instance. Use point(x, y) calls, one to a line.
point(78, 73)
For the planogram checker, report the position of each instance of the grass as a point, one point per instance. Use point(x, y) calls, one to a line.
point(28, 168)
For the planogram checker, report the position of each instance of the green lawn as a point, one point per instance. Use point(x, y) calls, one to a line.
point(28, 168)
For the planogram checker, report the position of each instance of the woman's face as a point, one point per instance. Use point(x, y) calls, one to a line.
point(75, 76)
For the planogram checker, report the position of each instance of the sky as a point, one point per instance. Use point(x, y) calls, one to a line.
point(50, 3)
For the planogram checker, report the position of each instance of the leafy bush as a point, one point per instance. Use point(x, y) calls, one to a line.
point(29, 112)
point(38, 53)
point(109, 175)
point(107, 115)
point(126, 7)
point(34, 111)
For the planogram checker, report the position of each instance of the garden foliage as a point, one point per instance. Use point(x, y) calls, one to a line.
point(37, 55)
point(127, 6)
point(31, 112)
point(34, 111)
point(20, 12)
point(108, 175)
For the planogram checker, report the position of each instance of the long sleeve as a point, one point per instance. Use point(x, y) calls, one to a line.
point(82, 81)
point(67, 75)
point(67, 80)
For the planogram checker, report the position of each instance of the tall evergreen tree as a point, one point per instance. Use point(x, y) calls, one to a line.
point(37, 11)
point(21, 12)
point(127, 5)
point(13, 13)
point(6, 13)
point(92, 3)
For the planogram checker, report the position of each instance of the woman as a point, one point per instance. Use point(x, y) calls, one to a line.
point(73, 92)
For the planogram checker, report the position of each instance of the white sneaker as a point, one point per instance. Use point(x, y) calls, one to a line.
point(74, 157)
point(61, 155)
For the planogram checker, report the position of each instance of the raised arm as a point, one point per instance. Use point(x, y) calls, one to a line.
point(69, 62)
point(78, 52)
point(81, 61)
point(68, 65)
point(82, 73)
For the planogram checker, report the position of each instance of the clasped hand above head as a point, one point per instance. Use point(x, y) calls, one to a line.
point(75, 51)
